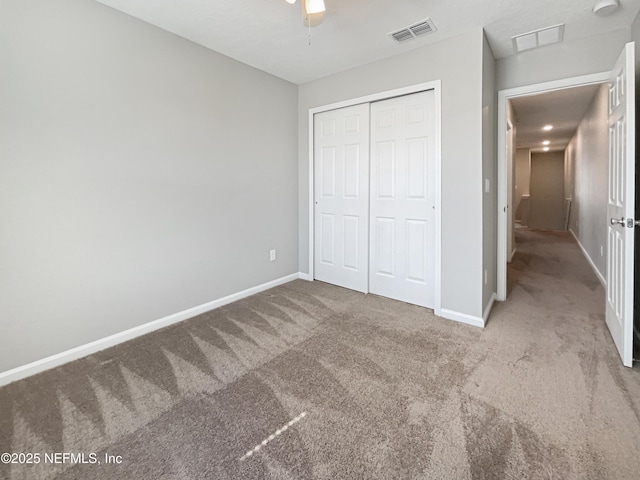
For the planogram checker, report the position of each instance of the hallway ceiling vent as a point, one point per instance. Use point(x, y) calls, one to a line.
point(538, 38)
point(412, 31)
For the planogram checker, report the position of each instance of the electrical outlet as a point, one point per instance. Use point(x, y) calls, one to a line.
point(272, 255)
point(601, 251)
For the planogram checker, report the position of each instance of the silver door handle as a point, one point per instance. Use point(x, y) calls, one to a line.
point(615, 221)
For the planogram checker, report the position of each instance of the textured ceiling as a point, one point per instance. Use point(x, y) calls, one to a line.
point(269, 35)
point(562, 108)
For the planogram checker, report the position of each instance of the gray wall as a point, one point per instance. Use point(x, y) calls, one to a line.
point(489, 171)
point(522, 173)
point(461, 150)
point(547, 191)
point(563, 60)
point(136, 179)
point(587, 166)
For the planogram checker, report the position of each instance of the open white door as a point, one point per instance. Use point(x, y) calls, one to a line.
point(620, 210)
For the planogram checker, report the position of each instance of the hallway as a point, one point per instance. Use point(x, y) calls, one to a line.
point(544, 254)
point(554, 339)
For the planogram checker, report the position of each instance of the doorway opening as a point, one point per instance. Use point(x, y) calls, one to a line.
point(510, 199)
point(609, 244)
point(557, 171)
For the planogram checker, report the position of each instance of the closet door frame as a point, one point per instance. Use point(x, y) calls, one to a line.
point(436, 87)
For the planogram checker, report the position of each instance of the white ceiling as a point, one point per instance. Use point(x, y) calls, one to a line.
point(269, 35)
point(562, 108)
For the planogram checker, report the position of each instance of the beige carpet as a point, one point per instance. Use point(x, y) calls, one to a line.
point(313, 381)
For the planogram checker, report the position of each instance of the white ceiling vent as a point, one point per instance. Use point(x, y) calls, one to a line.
point(538, 38)
point(412, 31)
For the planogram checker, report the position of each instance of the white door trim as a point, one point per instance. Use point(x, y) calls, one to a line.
point(436, 86)
point(503, 96)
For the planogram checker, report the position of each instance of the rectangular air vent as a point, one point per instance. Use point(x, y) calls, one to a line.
point(412, 31)
point(538, 38)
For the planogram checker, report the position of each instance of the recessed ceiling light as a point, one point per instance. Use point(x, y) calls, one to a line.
point(546, 128)
point(546, 149)
point(546, 142)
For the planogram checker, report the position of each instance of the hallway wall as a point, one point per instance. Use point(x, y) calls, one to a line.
point(489, 172)
point(586, 180)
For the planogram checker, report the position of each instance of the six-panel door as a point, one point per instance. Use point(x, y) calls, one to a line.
point(341, 178)
point(402, 218)
point(620, 207)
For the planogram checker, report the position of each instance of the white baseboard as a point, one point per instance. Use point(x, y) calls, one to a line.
point(512, 255)
point(462, 318)
point(593, 265)
point(306, 276)
point(112, 340)
point(487, 311)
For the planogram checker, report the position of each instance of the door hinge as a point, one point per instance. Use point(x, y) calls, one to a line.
point(632, 223)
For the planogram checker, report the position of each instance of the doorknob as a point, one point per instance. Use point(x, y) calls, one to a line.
point(615, 221)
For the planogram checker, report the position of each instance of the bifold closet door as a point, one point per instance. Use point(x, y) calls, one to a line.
point(402, 216)
point(341, 190)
